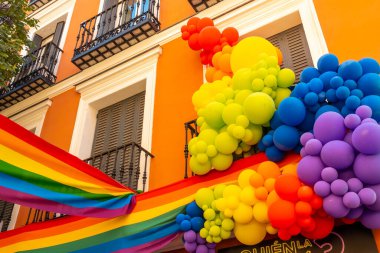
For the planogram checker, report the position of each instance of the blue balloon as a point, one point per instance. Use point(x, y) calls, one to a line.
point(276, 120)
point(193, 210)
point(180, 217)
point(346, 111)
point(369, 84)
point(326, 108)
point(352, 102)
point(322, 97)
point(358, 93)
point(185, 225)
point(370, 65)
point(292, 111)
point(351, 84)
point(261, 146)
point(326, 77)
point(316, 85)
point(336, 82)
point(350, 69)
point(300, 90)
point(342, 92)
point(267, 140)
point(197, 223)
point(331, 96)
point(308, 123)
point(274, 154)
point(309, 73)
point(311, 99)
point(286, 138)
point(328, 62)
point(339, 104)
point(373, 101)
point(314, 108)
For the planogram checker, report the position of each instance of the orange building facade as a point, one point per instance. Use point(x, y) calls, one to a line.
point(128, 93)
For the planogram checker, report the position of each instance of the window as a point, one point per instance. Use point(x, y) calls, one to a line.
point(117, 127)
point(6, 209)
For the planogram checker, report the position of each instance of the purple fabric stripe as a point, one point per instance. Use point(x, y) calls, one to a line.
point(150, 246)
point(30, 200)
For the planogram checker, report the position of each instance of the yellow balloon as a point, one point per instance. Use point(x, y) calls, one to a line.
point(221, 204)
point(218, 191)
point(271, 230)
point(260, 212)
point(243, 214)
point(204, 196)
point(247, 195)
point(231, 191)
point(244, 176)
point(251, 233)
point(282, 93)
point(249, 51)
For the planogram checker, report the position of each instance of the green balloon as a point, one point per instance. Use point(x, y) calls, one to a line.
point(222, 162)
point(259, 108)
point(257, 84)
point(242, 95)
point(225, 143)
point(213, 115)
point(242, 79)
point(199, 169)
point(208, 136)
point(230, 112)
point(204, 197)
point(285, 78)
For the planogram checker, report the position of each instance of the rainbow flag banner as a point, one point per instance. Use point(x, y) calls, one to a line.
point(148, 228)
point(37, 174)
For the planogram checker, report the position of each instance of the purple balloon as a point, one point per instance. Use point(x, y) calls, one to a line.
point(365, 138)
point(369, 120)
point(313, 147)
point(364, 112)
point(339, 187)
point(303, 152)
point(338, 154)
point(211, 245)
point(200, 240)
point(366, 168)
point(348, 138)
point(351, 121)
point(329, 126)
point(333, 205)
point(351, 200)
point(191, 246)
point(354, 185)
point(355, 213)
point(371, 219)
point(322, 189)
point(190, 236)
point(329, 174)
point(201, 249)
point(309, 169)
point(367, 196)
point(211, 251)
point(306, 137)
point(376, 205)
point(346, 174)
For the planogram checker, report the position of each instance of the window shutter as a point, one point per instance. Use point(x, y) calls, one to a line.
point(118, 125)
point(294, 47)
point(6, 209)
point(37, 41)
point(108, 18)
point(58, 32)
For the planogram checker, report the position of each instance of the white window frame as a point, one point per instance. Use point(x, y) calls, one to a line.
point(31, 118)
point(110, 87)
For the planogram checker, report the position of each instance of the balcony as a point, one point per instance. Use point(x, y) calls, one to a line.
point(115, 29)
point(36, 74)
point(200, 5)
point(35, 4)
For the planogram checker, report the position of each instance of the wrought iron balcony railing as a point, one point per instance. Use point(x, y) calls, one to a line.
point(191, 131)
point(200, 5)
point(38, 3)
point(36, 74)
point(5, 215)
point(115, 29)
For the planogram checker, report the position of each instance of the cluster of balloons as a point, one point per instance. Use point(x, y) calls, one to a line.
point(192, 219)
point(297, 209)
point(194, 243)
point(201, 34)
point(216, 226)
point(221, 65)
point(233, 111)
point(330, 87)
point(341, 161)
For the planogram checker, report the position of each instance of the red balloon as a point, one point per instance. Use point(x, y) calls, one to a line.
point(316, 202)
point(216, 49)
point(287, 186)
point(192, 29)
point(323, 227)
point(184, 28)
point(193, 21)
point(209, 37)
point(194, 42)
point(185, 35)
point(282, 214)
point(231, 34)
point(303, 209)
point(284, 235)
point(204, 22)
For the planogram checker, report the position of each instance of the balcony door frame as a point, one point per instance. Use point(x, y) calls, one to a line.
point(110, 87)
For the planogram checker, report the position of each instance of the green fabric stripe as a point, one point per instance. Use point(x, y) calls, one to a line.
point(47, 183)
point(114, 234)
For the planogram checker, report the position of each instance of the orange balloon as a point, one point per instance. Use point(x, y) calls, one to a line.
point(272, 197)
point(269, 169)
point(224, 63)
point(231, 34)
point(215, 60)
point(193, 21)
point(218, 75)
point(227, 49)
point(281, 214)
point(210, 71)
point(279, 56)
point(269, 184)
point(287, 187)
point(261, 193)
point(256, 180)
point(289, 169)
point(303, 209)
point(204, 22)
point(305, 193)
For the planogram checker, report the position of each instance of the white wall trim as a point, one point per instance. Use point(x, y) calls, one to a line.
point(32, 118)
point(109, 88)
